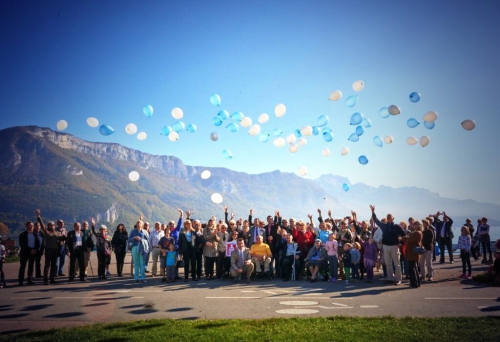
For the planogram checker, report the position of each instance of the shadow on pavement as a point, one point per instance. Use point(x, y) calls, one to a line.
point(13, 316)
point(179, 309)
point(65, 315)
point(36, 307)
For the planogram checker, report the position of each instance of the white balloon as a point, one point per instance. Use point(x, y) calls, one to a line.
point(177, 113)
point(293, 148)
point(131, 128)
point(254, 129)
point(344, 151)
point(302, 171)
point(279, 142)
point(306, 131)
point(206, 174)
point(468, 125)
point(280, 110)
point(263, 118)
point(394, 110)
point(142, 136)
point(246, 122)
point(173, 136)
point(62, 125)
point(302, 141)
point(216, 198)
point(388, 139)
point(358, 85)
point(424, 141)
point(92, 122)
point(326, 152)
point(430, 116)
point(133, 176)
point(335, 95)
point(291, 138)
point(411, 141)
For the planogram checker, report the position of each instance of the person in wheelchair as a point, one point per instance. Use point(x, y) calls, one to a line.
point(289, 251)
point(316, 259)
point(261, 255)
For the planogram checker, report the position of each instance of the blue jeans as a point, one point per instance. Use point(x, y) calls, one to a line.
point(138, 264)
point(333, 260)
point(60, 259)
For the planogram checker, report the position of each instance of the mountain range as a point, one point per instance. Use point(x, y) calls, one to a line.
point(73, 179)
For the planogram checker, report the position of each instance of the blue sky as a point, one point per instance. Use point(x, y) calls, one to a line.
point(73, 60)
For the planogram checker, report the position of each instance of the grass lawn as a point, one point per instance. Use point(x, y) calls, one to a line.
point(9, 259)
point(336, 328)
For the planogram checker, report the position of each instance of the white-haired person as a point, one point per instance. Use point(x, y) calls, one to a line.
point(103, 247)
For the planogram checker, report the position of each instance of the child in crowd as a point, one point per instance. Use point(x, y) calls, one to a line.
point(346, 260)
point(355, 260)
point(171, 260)
point(370, 258)
point(331, 251)
point(464, 243)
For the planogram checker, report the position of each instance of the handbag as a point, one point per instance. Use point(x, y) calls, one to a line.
point(418, 250)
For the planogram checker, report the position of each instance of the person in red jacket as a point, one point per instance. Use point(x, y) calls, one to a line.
point(304, 238)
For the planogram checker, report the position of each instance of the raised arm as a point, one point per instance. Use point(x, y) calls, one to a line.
point(179, 223)
point(320, 219)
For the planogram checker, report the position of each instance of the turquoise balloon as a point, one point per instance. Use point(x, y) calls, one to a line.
point(237, 116)
point(264, 137)
point(363, 160)
point(378, 141)
point(217, 121)
point(277, 132)
point(215, 99)
point(227, 154)
point(351, 101)
point(345, 187)
point(148, 111)
point(414, 97)
point(354, 137)
point(326, 129)
point(384, 112)
point(232, 127)
point(429, 125)
point(412, 123)
point(106, 130)
point(191, 128)
point(327, 136)
point(366, 123)
point(179, 126)
point(323, 120)
point(166, 130)
point(315, 130)
point(360, 130)
point(356, 118)
point(297, 133)
point(223, 115)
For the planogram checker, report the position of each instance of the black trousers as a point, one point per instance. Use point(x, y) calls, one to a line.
point(101, 260)
point(120, 260)
point(199, 263)
point(51, 255)
point(30, 260)
point(445, 242)
point(286, 267)
point(209, 267)
point(38, 264)
point(221, 258)
point(486, 244)
point(414, 279)
point(189, 258)
point(73, 257)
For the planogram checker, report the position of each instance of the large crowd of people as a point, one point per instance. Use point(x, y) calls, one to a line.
point(342, 249)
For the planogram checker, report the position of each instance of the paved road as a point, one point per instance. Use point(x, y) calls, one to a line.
point(120, 299)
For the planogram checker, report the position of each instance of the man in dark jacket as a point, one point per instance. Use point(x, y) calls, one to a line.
point(29, 244)
point(444, 235)
point(75, 250)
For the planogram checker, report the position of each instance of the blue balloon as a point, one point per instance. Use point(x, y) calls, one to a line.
point(297, 133)
point(414, 97)
point(223, 115)
point(412, 123)
point(277, 132)
point(237, 116)
point(179, 126)
point(166, 130)
point(363, 160)
point(326, 129)
point(264, 137)
point(378, 141)
point(366, 123)
point(315, 130)
point(351, 101)
point(106, 130)
point(356, 118)
point(360, 130)
point(227, 154)
point(323, 120)
point(429, 125)
point(215, 99)
point(217, 121)
point(232, 127)
point(354, 137)
point(384, 112)
point(327, 136)
point(148, 111)
point(191, 128)
point(345, 187)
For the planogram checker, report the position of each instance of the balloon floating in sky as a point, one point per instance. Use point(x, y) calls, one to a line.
point(293, 148)
point(177, 113)
point(335, 95)
point(306, 131)
point(290, 138)
point(217, 121)
point(302, 171)
point(345, 187)
point(297, 133)
point(173, 136)
point(358, 86)
point(354, 137)
point(468, 124)
point(315, 130)
point(263, 118)
point(148, 111)
point(106, 130)
point(411, 141)
point(191, 128)
point(323, 120)
point(166, 130)
point(62, 125)
point(384, 112)
point(366, 123)
point(227, 154)
point(414, 97)
point(394, 110)
point(326, 152)
point(142, 136)
point(356, 118)
point(424, 141)
point(238, 116)
point(131, 128)
point(429, 125)
point(412, 123)
point(327, 136)
point(378, 141)
point(215, 99)
point(216, 198)
point(223, 115)
point(246, 121)
point(360, 130)
point(388, 139)
point(363, 160)
point(351, 101)
point(326, 129)
point(344, 151)
point(277, 132)
point(133, 176)
point(302, 141)
point(430, 116)
point(205, 174)
point(264, 137)
point(232, 127)
point(179, 126)
point(92, 122)
point(280, 110)
point(214, 136)
point(279, 142)
point(254, 130)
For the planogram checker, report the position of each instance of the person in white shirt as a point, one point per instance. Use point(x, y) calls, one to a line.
point(154, 239)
